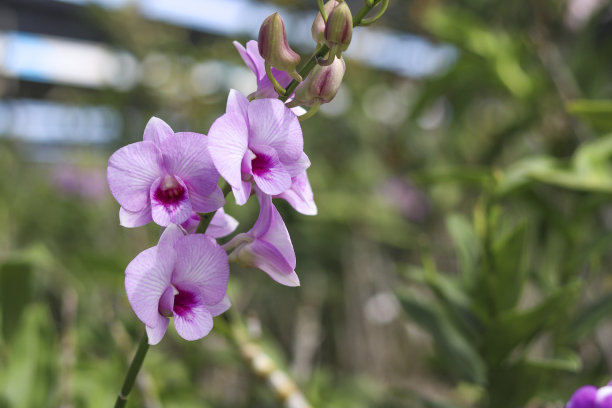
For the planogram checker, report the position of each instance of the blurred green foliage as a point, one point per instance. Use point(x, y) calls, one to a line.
point(461, 255)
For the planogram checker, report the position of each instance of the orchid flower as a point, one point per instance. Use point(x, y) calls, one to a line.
point(184, 277)
point(259, 141)
point(267, 246)
point(591, 397)
point(164, 178)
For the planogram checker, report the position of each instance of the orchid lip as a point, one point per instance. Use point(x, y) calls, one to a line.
point(170, 191)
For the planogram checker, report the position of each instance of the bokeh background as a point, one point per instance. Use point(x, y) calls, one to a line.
point(461, 254)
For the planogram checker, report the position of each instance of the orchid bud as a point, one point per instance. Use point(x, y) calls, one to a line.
point(321, 85)
point(339, 28)
point(318, 25)
point(274, 48)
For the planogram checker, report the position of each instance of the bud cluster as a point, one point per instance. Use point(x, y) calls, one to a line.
point(332, 30)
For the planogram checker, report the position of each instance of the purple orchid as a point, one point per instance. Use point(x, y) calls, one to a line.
point(250, 56)
point(164, 178)
point(267, 246)
point(259, 141)
point(184, 277)
point(221, 224)
point(300, 195)
point(589, 396)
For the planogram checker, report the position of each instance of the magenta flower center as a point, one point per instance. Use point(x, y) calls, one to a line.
point(261, 164)
point(170, 191)
point(184, 302)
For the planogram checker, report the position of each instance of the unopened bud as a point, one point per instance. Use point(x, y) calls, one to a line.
point(274, 48)
point(321, 85)
point(339, 28)
point(318, 25)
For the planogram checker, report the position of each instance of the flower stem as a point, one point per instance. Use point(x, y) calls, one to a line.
point(313, 109)
point(277, 87)
point(322, 10)
point(132, 372)
point(320, 53)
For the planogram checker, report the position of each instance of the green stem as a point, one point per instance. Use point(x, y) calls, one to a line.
point(313, 109)
point(322, 10)
point(320, 53)
point(277, 87)
point(383, 7)
point(130, 377)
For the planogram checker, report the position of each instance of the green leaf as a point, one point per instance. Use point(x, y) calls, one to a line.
point(597, 113)
point(15, 293)
point(517, 327)
point(30, 375)
point(589, 317)
point(507, 278)
point(468, 247)
point(457, 353)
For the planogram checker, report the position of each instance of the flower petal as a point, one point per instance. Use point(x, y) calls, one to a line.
point(146, 279)
point(131, 171)
point(194, 324)
point(268, 172)
point(201, 263)
point(155, 334)
point(132, 219)
point(227, 143)
point(186, 156)
point(583, 397)
point(168, 238)
point(221, 225)
point(273, 262)
point(220, 307)
point(252, 59)
point(207, 203)
point(237, 103)
point(272, 124)
point(298, 167)
point(191, 225)
point(300, 196)
point(175, 210)
point(242, 193)
point(157, 130)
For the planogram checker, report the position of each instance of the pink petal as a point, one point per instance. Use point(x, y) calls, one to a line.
point(242, 193)
point(268, 172)
point(155, 334)
point(191, 225)
point(175, 211)
point(273, 262)
point(186, 156)
point(237, 103)
point(131, 219)
point(146, 279)
point(221, 225)
point(169, 237)
point(220, 307)
point(207, 203)
point(270, 228)
point(298, 167)
point(272, 124)
point(157, 130)
point(300, 195)
point(201, 263)
point(227, 143)
point(251, 57)
point(131, 171)
point(194, 324)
